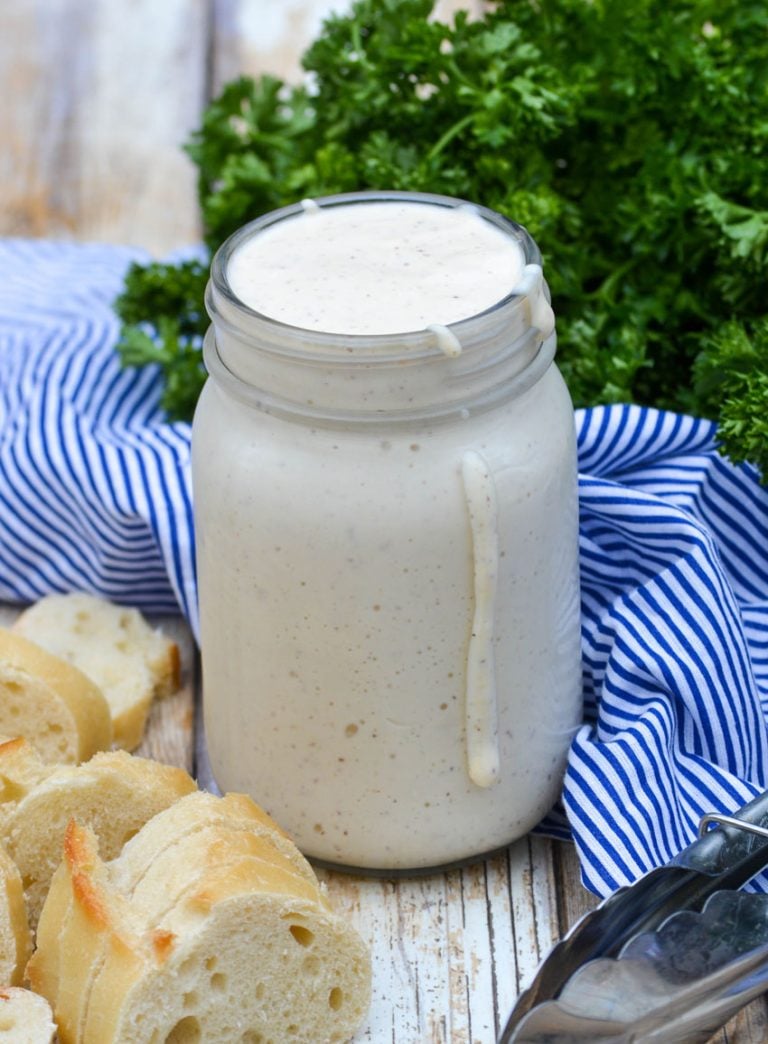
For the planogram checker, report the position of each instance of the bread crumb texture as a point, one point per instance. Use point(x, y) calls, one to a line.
point(115, 793)
point(25, 1017)
point(208, 928)
point(50, 702)
point(114, 646)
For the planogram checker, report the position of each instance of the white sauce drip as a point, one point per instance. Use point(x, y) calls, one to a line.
point(540, 312)
point(447, 341)
point(481, 715)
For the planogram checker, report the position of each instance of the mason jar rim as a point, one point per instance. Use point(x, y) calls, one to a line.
point(379, 346)
point(503, 350)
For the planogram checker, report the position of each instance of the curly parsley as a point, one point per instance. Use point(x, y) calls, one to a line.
point(629, 136)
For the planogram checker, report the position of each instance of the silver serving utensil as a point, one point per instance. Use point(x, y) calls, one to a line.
point(721, 860)
point(678, 984)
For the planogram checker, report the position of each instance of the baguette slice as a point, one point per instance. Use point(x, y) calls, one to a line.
point(47, 960)
point(62, 713)
point(245, 959)
point(193, 860)
point(182, 870)
point(196, 812)
point(236, 947)
point(114, 792)
point(76, 920)
point(21, 770)
point(15, 939)
point(25, 1018)
point(115, 647)
point(85, 914)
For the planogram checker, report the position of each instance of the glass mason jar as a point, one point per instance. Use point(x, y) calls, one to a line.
point(387, 534)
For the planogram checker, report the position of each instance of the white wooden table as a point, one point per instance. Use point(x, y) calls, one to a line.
point(97, 98)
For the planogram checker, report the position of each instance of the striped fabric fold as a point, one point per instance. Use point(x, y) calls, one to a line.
point(95, 494)
point(674, 573)
point(95, 490)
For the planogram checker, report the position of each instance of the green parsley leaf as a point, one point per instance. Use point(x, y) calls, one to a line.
point(629, 136)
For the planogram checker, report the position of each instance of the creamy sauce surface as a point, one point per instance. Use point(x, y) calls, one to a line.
point(376, 268)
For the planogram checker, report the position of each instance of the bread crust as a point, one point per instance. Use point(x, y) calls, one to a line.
point(14, 934)
point(115, 646)
point(114, 792)
point(199, 811)
point(196, 857)
point(54, 688)
point(181, 935)
point(70, 934)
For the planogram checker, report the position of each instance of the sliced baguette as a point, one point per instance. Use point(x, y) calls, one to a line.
point(15, 938)
point(47, 960)
point(114, 792)
point(197, 812)
point(62, 713)
point(192, 860)
point(21, 769)
point(225, 942)
point(77, 919)
point(25, 1018)
point(115, 647)
point(171, 880)
point(245, 959)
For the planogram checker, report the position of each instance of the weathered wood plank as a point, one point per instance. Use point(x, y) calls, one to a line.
point(170, 732)
point(573, 900)
point(103, 95)
point(97, 99)
point(251, 37)
point(392, 917)
point(450, 950)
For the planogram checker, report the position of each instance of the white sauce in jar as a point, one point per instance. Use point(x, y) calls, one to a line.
point(379, 269)
point(389, 610)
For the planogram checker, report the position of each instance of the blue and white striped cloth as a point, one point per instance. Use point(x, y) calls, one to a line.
point(95, 495)
point(94, 484)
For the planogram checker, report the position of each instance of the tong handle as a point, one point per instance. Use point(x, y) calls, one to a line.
point(717, 851)
point(715, 818)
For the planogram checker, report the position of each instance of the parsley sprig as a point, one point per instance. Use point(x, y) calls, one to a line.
point(629, 136)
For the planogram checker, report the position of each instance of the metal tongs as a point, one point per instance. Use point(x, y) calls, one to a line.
point(668, 959)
